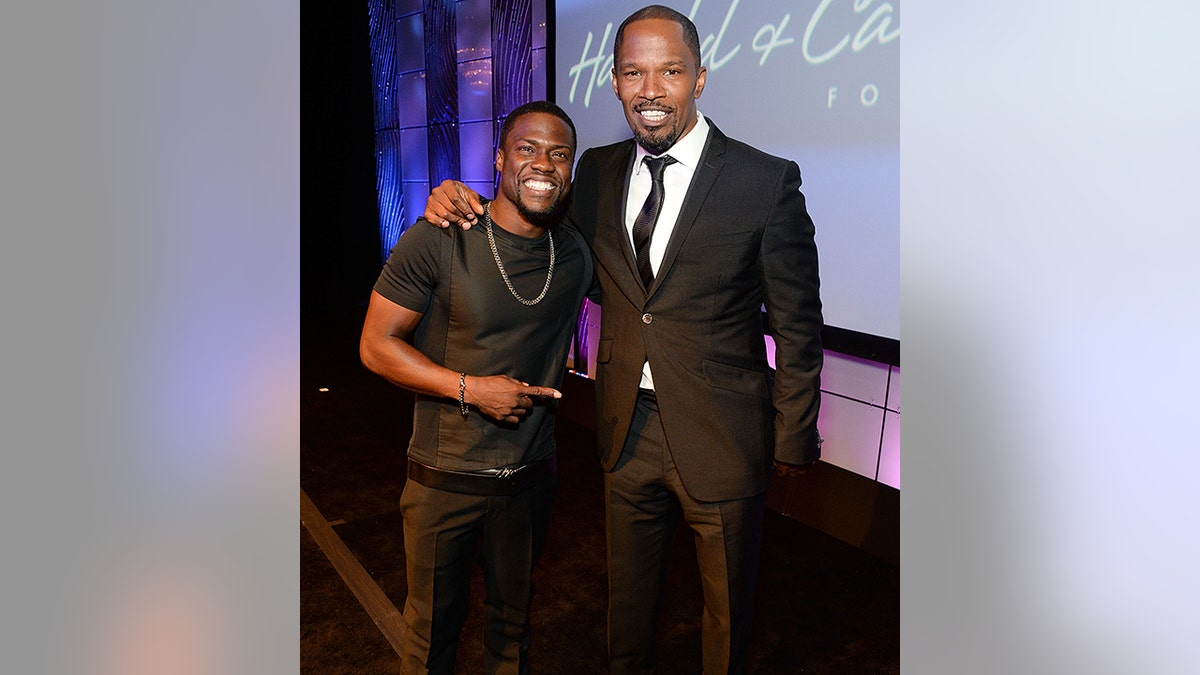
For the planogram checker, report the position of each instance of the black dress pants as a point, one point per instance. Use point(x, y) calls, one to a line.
point(443, 531)
point(644, 501)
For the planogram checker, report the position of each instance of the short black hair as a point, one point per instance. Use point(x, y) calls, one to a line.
point(691, 38)
point(535, 107)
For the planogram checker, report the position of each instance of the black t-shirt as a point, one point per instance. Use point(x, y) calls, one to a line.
point(473, 324)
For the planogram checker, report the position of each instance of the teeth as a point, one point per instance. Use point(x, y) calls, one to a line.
point(538, 185)
point(653, 115)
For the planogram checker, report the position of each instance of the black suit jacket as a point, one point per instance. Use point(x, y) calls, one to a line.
point(743, 239)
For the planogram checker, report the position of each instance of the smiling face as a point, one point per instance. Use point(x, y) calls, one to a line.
point(535, 170)
point(658, 81)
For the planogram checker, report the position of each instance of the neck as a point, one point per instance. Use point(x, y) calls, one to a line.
point(507, 217)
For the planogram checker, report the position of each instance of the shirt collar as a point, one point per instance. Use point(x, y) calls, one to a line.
point(686, 150)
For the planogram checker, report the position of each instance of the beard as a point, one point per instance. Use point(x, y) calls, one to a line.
point(656, 145)
point(544, 219)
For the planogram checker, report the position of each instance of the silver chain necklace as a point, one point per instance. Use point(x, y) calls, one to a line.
point(487, 224)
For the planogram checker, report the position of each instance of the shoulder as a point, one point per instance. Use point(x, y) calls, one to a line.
point(424, 228)
point(611, 148)
point(746, 155)
point(744, 152)
point(763, 168)
point(424, 233)
point(423, 241)
point(743, 167)
point(598, 157)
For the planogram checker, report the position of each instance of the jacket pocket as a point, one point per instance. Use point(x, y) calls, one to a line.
point(604, 350)
point(728, 239)
point(737, 379)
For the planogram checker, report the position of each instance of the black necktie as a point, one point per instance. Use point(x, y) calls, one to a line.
point(643, 226)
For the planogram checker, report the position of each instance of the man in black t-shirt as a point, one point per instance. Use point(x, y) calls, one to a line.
point(478, 323)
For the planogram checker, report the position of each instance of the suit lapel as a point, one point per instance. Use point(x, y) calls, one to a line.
point(612, 246)
point(712, 159)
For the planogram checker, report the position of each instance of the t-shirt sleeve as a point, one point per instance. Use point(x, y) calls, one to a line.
point(411, 274)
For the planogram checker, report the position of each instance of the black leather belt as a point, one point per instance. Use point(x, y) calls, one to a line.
point(501, 482)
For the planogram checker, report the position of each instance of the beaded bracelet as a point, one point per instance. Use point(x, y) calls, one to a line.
point(462, 390)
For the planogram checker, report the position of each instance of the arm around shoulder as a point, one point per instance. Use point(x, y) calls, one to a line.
point(453, 202)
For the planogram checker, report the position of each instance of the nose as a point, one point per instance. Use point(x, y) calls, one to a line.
point(651, 87)
point(542, 162)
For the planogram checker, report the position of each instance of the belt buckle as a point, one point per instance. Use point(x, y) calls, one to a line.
point(510, 471)
point(504, 472)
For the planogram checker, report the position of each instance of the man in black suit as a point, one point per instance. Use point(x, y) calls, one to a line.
point(689, 415)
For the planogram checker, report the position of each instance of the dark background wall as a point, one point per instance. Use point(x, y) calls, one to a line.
point(339, 233)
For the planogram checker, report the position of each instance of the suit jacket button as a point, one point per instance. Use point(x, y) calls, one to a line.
point(647, 318)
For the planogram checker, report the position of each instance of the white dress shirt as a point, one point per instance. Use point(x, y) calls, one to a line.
point(676, 179)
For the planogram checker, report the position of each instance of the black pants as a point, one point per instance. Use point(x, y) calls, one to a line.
point(443, 531)
point(645, 500)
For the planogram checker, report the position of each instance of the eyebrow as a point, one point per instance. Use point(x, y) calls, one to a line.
point(674, 62)
point(533, 141)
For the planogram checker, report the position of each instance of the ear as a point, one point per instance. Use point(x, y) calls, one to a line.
point(700, 79)
point(614, 82)
point(499, 159)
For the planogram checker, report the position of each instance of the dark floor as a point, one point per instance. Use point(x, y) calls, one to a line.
point(823, 606)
